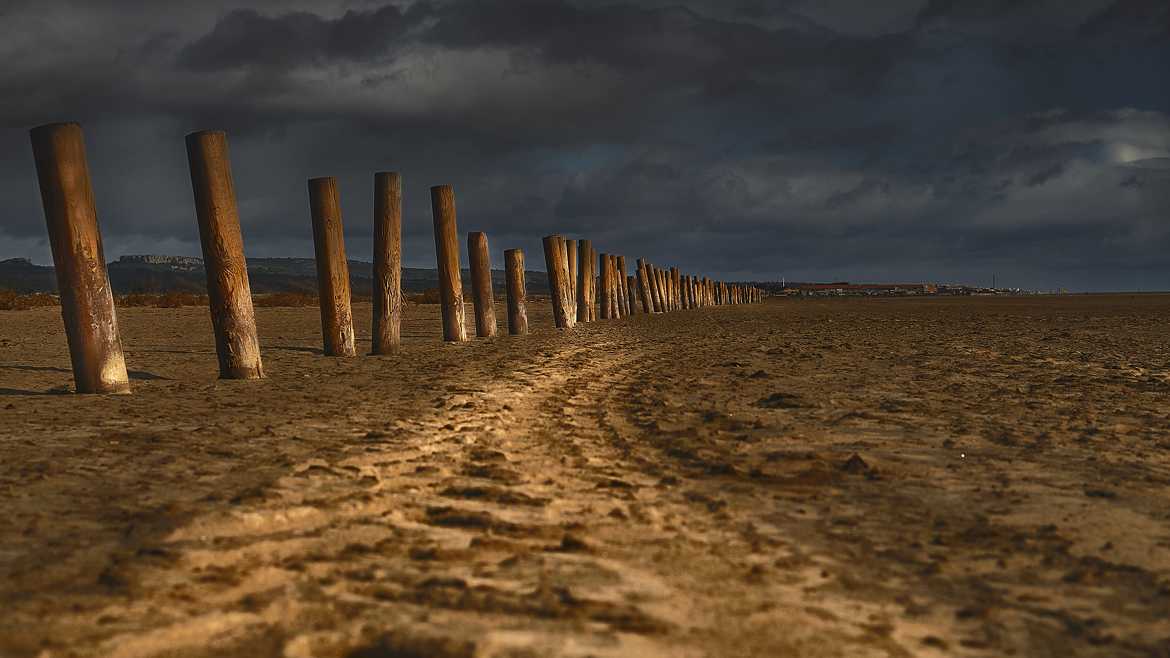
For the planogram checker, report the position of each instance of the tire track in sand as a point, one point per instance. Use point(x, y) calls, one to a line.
point(484, 528)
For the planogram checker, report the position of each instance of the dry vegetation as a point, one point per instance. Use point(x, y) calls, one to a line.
point(14, 301)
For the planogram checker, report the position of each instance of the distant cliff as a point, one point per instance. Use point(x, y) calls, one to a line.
point(156, 273)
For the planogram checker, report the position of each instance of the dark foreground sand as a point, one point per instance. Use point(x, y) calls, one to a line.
point(677, 485)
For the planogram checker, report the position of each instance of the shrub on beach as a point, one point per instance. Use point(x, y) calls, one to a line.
point(10, 300)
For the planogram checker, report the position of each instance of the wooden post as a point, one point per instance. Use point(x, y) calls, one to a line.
point(624, 292)
point(678, 292)
point(593, 279)
point(632, 286)
point(447, 253)
point(602, 286)
point(660, 275)
point(643, 286)
point(87, 303)
point(615, 295)
point(652, 282)
point(571, 256)
point(387, 327)
point(332, 269)
point(674, 288)
point(584, 260)
point(228, 291)
point(480, 264)
point(558, 285)
point(517, 296)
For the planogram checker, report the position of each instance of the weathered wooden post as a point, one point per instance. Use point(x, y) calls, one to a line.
point(652, 282)
point(678, 289)
point(571, 257)
point(603, 286)
point(228, 291)
point(87, 303)
point(674, 289)
point(632, 286)
point(447, 253)
point(593, 279)
point(615, 296)
point(624, 293)
point(517, 295)
point(387, 327)
point(584, 249)
point(643, 286)
point(662, 291)
point(332, 269)
point(481, 284)
point(558, 286)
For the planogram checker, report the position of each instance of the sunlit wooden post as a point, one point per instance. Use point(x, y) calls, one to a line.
point(387, 327)
point(618, 297)
point(517, 295)
point(87, 303)
point(624, 295)
point(584, 248)
point(228, 291)
point(652, 282)
point(643, 287)
point(594, 277)
point(332, 269)
point(660, 275)
point(602, 286)
point(447, 254)
point(571, 258)
point(480, 264)
point(558, 286)
point(675, 288)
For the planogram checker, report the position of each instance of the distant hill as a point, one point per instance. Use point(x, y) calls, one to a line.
point(151, 273)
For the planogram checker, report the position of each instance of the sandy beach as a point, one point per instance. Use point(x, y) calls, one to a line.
point(840, 477)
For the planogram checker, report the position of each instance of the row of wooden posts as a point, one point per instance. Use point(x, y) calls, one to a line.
point(583, 284)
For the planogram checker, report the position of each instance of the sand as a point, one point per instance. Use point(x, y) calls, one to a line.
point(888, 477)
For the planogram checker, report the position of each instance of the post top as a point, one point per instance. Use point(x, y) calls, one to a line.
point(54, 127)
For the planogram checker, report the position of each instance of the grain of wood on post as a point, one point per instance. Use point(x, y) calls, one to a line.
point(619, 282)
point(480, 264)
point(664, 290)
point(624, 291)
point(652, 283)
point(643, 286)
point(386, 331)
point(87, 303)
point(593, 279)
point(447, 254)
point(332, 269)
point(584, 248)
point(517, 294)
point(571, 257)
point(558, 286)
point(602, 288)
point(615, 297)
point(672, 281)
point(228, 291)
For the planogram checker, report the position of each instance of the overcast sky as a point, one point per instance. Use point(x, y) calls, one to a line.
point(940, 140)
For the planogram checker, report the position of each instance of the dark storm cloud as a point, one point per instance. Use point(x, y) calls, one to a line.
point(813, 139)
